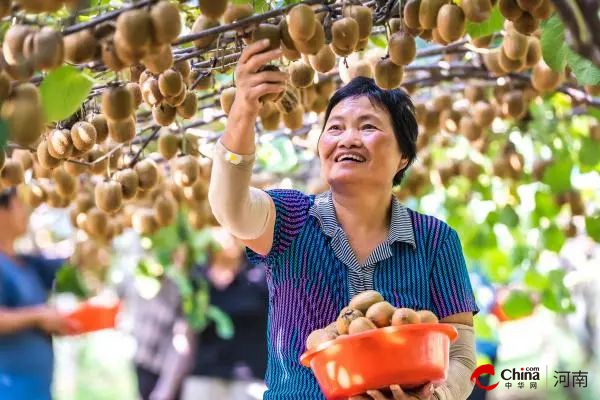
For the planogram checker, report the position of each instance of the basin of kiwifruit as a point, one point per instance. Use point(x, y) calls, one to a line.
point(367, 311)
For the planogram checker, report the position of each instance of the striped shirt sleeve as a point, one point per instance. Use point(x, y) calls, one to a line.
point(451, 290)
point(291, 213)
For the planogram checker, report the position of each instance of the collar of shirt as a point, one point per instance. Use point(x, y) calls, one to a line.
point(401, 229)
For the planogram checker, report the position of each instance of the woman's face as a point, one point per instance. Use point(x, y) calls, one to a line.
point(358, 144)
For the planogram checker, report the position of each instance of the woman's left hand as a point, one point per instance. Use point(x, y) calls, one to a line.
point(424, 393)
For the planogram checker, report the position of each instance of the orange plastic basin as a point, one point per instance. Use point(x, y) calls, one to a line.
point(90, 317)
point(407, 355)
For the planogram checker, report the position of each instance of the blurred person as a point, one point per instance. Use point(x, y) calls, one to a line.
point(231, 369)
point(26, 322)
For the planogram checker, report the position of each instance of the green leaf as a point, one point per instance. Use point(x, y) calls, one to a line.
point(224, 325)
point(556, 297)
point(68, 280)
point(585, 71)
point(63, 91)
point(509, 217)
point(379, 41)
point(553, 238)
point(3, 134)
point(518, 304)
point(534, 280)
point(496, 265)
point(491, 25)
point(592, 226)
point(558, 175)
point(588, 153)
point(554, 46)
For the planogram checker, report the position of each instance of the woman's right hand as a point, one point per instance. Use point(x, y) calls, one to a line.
point(53, 322)
point(250, 84)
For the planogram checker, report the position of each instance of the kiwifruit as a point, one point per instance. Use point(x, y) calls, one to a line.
point(287, 43)
point(426, 34)
point(12, 46)
point(482, 42)
point(74, 168)
point(65, 183)
point(301, 22)
point(428, 11)
point(99, 163)
point(25, 120)
point(23, 156)
point(96, 222)
point(294, 119)
point(362, 44)
point(301, 74)
point(122, 131)
point(201, 82)
point(402, 48)
point(163, 114)
point(442, 102)
point(491, 61)
point(170, 83)
point(47, 49)
point(213, 8)
point(185, 171)
point(12, 174)
point(136, 93)
point(483, 114)
point(44, 157)
point(236, 12)
point(32, 194)
point(514, 105)
point(109, 56)
point(289, 100)
point(318, 337)
point(226, 99)
point(515, 45)
point(144, 221)
point(364, 300)
point(165, 209)
point(166, 24)
point(381, 313)
point(160, 61)
point(396, 24)
point(437, 38)
point(177, 100)
point(450, 22)
point(427, 317)
point(449, 119)
point(99, 123)
point(510, 9)
point(476, 10)
point(271, 122)
point(344, 34)
point(108, 196)
point(151, 92)
point(267, 31)
point(404, 316)
point(203, 23)
point(188, 108)
point(184, 68)
point(80, 47)
point(469, 128)
point(332, 328)
point(104, 30)
point(360, 68)
point(117, 103)
point(83, 135)
point(129, 182)
point(4, 8)
point(544, 79)
point(363, 16)
point(474, 92)
point(314, 43)
point(534, 51)
point(323, 61)
point(529, 5)
point(346, 316)
point(135, 27)
point(39, 170)
point(147, 173)
point(319, 105)
point(37, 6)
point(526, 23)
point(325, 88)
point(60, 144)
point(508, 64)
point(388, 75)
point(5, 86)
point(544, 10)
point(26, 91)
point(360, 324)
point(411, 14)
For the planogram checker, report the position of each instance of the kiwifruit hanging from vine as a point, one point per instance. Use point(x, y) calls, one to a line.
point(151, 92)
point(96, 156)
point(544, 79)
point(271, 121)
point(236, 12)
point(319, 105)
point(166, 23)
point(491, 60)
point(437, 38)
point(508, 64)
point(123, 130)
point(12, 46)
point(147, 173)
point(47, 49)
point(428, 11)
point(44, 157)
point(129, 182)
point(301, 74)
point(411, 14)
point(362, 44)
point(482, 41)
point(294, 119)
point(108, 196)
point(12, 174)
point(515, 45)
point(226, 99)
point(213, 8)
point(344, 34)
point(301, 22)
point(510, 9)
point(203, 82)
point(469, 128)
point(184, 68)
point(32, 194)
point(170, 83)
point(529, 5)
point(168, 145)
point(188, 108)
point(117, 102)
point(185, 171)
point(267, 31)
point(26, 91)
point(83, 135)
point(449, 119)
point(197, 192)
point(514, 105)
point(65, 183)
point(74, 168)
point(135, 27)
point(544, 10)
point(5, 86)
point(177, 100)
point(451, 22)
point(164, 114)
point(402, 48)
point(60, 144)
point(165, 209)
point(23, 156)
point(534, 51)
point(526, 23)
point(360, 68)
point(314, 43)
point(426, 34)
point(363, 16)
point(442, 102)
point(483, 114)
point(286, 39)
point(323, 61)
point(136, 93)
point(80, 47)
point(4, 8)
point(476, 10)
point(100, 124)
point(109, 56)
point(203, 23)
point(388, 75)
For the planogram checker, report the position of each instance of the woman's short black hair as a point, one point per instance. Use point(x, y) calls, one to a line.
point(6, 196)
point(398, 104)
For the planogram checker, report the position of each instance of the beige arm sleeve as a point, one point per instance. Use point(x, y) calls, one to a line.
point(463, 361)
point(239, 208)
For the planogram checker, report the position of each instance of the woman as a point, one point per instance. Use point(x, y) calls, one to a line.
point(321, 250)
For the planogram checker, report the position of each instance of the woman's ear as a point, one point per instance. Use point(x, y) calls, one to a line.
point(402, 164)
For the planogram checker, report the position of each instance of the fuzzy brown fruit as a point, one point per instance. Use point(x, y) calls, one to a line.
point(323, 61)
point(402, 48)
point(129, 181)
point(344, 33)
point(510, 9)
point(65, 183)
point(185, 171)
point(144, 221)
point(513, 104)
point(160, 61)
point(318, 337)
point(515, 45)
point(364, 300)
point(314, 43)
point(80, 47)
point(526, 23)
point(476, 10)
point(83, 135)
point(451, 22)
point(411, 14)
point(301, 74)
point(381, 313)
point(544, 79)
point(363, 16)
point(226, 99)
point(534, 51)
point(483, 114)
point(44, 158)
point(24, 120)
point(12, 174)
point(405, 316)
point(428, 12)
point(122, 131)
point(203, 23)
point(135, 27)
point(387, 74)
point(99, 123)
point(267, 31)
point(345, 318)
point(301, 22)
point(165, 209)
point(166, 24)
point(361, 324)
point(427, 317)
point(188, 108)
point(117, 103)
point(148, 174)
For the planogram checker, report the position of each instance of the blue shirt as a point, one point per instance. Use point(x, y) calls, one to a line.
point(26, 357)
point(312, 273)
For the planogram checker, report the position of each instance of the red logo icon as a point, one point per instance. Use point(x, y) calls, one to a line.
point(481, 370)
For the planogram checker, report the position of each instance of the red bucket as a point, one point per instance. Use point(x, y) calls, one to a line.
point(406, 355)
point(92, 317)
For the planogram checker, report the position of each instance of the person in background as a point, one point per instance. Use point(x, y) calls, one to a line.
point(26, 322)
point(232, 369)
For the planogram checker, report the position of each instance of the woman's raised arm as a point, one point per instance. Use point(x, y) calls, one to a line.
point(248, 213)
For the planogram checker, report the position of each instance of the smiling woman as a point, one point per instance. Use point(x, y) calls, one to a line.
point(322, 250)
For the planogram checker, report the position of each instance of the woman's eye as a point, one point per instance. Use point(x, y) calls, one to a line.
point(368, 127)
point(334, 128)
